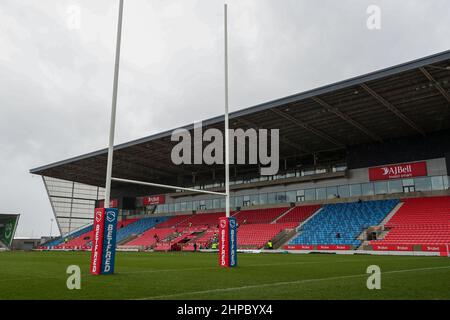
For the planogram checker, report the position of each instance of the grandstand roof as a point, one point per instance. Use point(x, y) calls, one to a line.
point(409, 99)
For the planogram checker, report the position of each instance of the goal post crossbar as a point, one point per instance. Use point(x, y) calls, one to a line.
point(166, 186)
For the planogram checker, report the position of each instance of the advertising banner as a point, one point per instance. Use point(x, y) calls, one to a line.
point(298, 247)
point(398, 171)
point(224, 244)
point(113, 203)
point(97, 241)
point(7, 229)
point(232, 233)
point(109, 240)
point(159, 199)
point(393, 247)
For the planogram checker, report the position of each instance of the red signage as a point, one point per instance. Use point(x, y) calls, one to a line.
point(333, 247)
point(224, 260)
point(298, 247)
point(97, 242)
point(392, 247)
point(435, 248)
point(113, 203)
point(159, 199)
point(398, 171)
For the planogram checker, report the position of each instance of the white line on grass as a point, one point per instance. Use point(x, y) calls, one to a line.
point(281, 283)
point(245, 266)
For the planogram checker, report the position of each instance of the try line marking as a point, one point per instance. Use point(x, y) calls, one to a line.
point(281, 283)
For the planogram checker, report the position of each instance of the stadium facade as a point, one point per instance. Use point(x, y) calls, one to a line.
point(384, 135)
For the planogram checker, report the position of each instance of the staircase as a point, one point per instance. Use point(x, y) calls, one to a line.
point(363, 235)
point(283, 214)
point(283, 237)
point(297, 230)
point(391, 214)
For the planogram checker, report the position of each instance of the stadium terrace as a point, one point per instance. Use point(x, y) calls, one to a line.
point(363, 166)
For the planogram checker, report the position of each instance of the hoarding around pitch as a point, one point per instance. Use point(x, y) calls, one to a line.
point(104, 241)
point(227, 242)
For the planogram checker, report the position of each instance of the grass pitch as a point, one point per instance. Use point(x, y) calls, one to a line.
point(42, 275)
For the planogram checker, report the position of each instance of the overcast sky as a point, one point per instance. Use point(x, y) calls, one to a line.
point(57, 60)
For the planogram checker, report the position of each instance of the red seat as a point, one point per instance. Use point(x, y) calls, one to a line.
point(420, 221)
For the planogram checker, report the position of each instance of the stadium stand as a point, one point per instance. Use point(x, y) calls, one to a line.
point(206, 238)
point(257, 235)
point(341, 223)
point(172, 222)
point(298, 214)
point(74, 235)
point(205, 219)
point(150, 237)
point(259, 215)
point(137, 227)
point(420, 221)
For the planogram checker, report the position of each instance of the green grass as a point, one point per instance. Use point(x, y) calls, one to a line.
point(42, 275)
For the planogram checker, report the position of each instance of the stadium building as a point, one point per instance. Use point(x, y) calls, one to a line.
point(364, 164)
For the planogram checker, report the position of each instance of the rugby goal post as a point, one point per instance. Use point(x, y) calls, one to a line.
point(104, 242)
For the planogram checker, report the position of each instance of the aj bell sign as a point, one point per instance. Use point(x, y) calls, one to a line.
point(398, 171)
point(104, 241)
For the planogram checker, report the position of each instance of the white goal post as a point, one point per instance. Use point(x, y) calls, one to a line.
point(109, 177)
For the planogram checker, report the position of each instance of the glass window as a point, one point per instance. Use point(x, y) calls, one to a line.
point(332, 192)
point(254, 199)
point(171, 207)
point(290, 174)
point(222, 203)
point(195, 204)
point(189, 205)
point(320, 170)
point(355, 190)
point(183, 206)
point(367, 189)
point(310, 194)
point(238, 201)
point(423, 184)
point(446, 182)
point(291, 196)
point(209, 204)
point(281, 197)
point(232, 202)
point(437, 183)
point(408, 182)
point(271, 198)
point(395, 186)
point(263, 198)
point(216, 203)
point(321, 193)
point(344, 191)
point(381, 187)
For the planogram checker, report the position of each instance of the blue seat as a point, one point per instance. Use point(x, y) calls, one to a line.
point(138, 227)
point(347, 219)
point(70, 236)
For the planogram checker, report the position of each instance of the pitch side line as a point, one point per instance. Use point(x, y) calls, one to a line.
point(283, 283)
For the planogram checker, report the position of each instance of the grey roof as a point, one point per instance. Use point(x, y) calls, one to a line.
point(407, 99)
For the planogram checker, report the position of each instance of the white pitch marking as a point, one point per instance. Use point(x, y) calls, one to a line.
point(282, 283)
